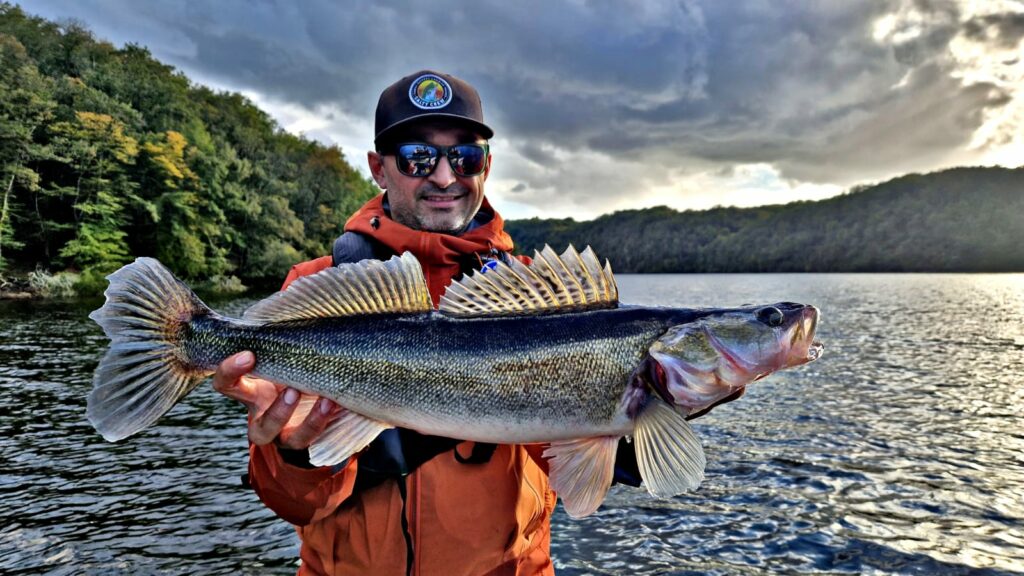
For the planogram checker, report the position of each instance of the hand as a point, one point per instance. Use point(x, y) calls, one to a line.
point(277, 413)
point(728, 398)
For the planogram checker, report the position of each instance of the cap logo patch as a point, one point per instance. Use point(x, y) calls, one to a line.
point(430, 92)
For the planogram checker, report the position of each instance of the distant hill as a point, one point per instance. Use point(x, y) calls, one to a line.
point(958, 220)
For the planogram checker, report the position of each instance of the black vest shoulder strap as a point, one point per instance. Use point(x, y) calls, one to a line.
point(353, 247)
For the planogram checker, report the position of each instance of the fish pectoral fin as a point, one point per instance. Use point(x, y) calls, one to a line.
point(342, 438)
point(581, 472)
point(668, 452)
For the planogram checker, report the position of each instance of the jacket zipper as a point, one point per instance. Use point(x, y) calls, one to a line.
point(414, 523)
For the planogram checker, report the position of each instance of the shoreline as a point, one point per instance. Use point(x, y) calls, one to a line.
point(17, 287)
point(20, 288)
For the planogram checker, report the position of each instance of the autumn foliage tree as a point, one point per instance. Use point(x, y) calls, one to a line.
point(107, 154)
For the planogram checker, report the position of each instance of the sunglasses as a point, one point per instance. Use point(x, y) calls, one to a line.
point(420, 160)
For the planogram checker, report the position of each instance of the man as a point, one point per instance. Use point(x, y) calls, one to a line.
point(408, 504)
point(446, 507)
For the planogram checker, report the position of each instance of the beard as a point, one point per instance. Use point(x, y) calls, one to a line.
point(451, 221)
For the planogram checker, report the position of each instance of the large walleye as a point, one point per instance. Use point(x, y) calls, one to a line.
point(519, 354)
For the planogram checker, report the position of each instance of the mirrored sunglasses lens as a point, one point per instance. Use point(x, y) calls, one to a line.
point(416, 159)
point(468, 159)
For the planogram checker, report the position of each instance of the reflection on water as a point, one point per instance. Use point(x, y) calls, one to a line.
point(900, 451)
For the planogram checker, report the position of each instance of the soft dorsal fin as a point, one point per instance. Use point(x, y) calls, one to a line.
point(366, 287)
point(573, 281)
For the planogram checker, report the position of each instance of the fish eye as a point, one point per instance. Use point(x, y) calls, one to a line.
point(770, 315)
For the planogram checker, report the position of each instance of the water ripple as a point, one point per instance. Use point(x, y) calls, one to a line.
point(899, 452)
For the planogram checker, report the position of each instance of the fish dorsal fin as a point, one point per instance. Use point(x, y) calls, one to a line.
point(573, 281)
point(366, 287)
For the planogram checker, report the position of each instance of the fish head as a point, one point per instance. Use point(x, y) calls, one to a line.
point(698, 363)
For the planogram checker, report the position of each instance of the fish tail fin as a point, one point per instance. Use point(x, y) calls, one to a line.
point(145, 372)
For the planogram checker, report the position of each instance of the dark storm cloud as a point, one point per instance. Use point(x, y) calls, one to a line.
point(1006, 29)
point(805, 86)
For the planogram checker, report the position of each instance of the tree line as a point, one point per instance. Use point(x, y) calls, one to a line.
point(107, 153)
point(957, 220)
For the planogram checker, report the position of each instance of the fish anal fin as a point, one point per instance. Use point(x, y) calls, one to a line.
point(668, 452)
point(366, 287)
point(342, 438)
point(570, 282)
point(581, 472)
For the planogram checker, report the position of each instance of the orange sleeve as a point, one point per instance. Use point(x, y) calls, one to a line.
point(307, 268)
point(298, 495)
point(536, 453)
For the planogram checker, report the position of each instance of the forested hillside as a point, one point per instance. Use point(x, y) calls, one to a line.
point(106, 153)
point(964, 219)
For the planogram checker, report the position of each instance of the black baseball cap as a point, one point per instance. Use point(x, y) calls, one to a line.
point(428, 94)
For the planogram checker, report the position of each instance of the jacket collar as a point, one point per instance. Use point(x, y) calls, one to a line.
point(487, 232)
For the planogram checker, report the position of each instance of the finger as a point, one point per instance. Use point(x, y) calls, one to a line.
point(301, 436)
point(264, 428)
point(229, 374)
point(262, 393)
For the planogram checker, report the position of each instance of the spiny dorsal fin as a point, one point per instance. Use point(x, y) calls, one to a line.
point(573, 281)
point(366, 287)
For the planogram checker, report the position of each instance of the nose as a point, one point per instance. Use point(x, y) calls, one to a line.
point(442, 176)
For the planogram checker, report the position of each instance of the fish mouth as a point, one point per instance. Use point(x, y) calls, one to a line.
point(814, 351)
point(803, 347)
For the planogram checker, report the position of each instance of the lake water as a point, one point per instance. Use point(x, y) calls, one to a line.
point(900, 451)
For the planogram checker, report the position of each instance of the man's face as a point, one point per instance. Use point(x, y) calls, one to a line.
point(443, 201)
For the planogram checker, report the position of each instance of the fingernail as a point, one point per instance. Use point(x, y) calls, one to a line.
point(243, 359)
point(326, 406)
point(291, 395)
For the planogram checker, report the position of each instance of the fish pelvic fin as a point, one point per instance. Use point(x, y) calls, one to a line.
point(581, 472)
point(144, 372)
point(668, 452)
point(571, 282)
point(342, 438)
point(351, 289)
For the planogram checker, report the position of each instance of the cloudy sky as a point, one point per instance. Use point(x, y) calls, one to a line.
point(602, 105)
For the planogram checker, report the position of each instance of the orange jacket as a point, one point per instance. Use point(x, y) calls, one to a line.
point(471, 519)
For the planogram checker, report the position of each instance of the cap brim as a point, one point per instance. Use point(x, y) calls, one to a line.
point(483, 129)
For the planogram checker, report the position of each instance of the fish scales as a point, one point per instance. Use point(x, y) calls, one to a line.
point(442, 373)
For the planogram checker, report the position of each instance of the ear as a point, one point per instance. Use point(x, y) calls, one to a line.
point(490, 161)
point(376, 163)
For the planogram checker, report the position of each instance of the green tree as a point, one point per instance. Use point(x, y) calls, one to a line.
point(24, 106)
point(98, 152)
point(188, 223)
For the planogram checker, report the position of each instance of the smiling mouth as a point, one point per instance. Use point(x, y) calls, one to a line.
point(442, 200)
